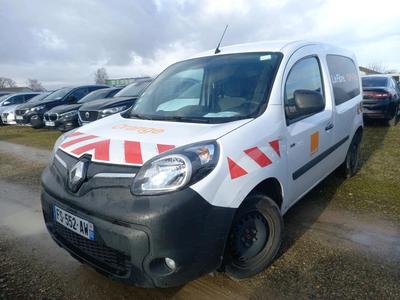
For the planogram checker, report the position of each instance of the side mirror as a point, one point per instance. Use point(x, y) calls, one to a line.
point(5, 103)
point(308, 102)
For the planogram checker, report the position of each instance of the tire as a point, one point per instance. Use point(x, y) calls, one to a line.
point(393, 121)
point(255, 237)
point(352, 161)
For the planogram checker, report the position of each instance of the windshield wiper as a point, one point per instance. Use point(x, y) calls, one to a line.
point(189, 119)
point(138, 116)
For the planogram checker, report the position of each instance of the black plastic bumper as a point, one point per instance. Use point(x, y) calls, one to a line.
point(65, 125)
point(139, 232)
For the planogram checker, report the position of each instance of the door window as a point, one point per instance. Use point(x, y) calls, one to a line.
point(79, 93)
point(304, 75)
point(344, 77)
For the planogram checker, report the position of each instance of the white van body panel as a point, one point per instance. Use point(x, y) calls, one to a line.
point(251, 150)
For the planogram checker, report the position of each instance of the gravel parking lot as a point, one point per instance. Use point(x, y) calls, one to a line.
point(342, 241)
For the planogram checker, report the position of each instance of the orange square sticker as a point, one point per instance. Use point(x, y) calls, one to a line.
point(314, 142)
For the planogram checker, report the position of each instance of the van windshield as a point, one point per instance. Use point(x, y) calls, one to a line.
point(214, 89)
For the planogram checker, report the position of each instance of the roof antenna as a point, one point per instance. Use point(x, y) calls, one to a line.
point(219, 44)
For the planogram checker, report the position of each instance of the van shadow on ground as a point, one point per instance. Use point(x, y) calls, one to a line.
point(301, 217)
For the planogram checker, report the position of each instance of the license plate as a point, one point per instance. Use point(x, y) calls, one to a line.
point(19, 117)
point(49, 123)
point(74, 223)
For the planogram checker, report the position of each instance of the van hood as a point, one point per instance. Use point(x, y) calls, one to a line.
point(122, 141)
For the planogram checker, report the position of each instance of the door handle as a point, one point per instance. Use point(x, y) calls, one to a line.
point(329, 126)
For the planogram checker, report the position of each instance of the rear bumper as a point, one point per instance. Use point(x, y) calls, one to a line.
point(380, 109)
point(137, 233)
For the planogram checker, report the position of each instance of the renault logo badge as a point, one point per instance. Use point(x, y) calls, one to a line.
point(77, 175)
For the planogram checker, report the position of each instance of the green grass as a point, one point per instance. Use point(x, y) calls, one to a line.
point(39, 138)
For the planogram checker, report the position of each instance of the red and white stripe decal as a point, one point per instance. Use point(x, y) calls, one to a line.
point(112, 151)
point(253, 159)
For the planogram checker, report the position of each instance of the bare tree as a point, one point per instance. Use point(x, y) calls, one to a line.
point(7, 82)
point(35, 85)
point(100, 76)
point(377, 67)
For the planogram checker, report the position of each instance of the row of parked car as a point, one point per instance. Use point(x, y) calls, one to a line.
point(69, 107)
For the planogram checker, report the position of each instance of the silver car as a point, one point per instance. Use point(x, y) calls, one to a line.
point(8, 104)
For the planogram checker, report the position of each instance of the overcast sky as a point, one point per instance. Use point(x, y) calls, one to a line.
point(62, 42)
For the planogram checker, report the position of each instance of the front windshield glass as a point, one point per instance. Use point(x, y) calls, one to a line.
point(99, 94)
point(57, 95)
point(210, 89)
point(39, 97)
point(374, 81)
point(134, 89)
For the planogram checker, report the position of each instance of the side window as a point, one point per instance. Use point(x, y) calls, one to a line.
point(344, 77)
point(304, 75)
point(79, 93)
point(29, 96)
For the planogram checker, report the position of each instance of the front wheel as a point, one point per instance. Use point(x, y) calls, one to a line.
point(255, 237)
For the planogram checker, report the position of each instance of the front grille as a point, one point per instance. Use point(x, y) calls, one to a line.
point(100, 255)
point(53, 117)
point(88, 116)
point(20, 112)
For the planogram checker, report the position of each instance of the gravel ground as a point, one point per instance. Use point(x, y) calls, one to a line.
point(334, 247)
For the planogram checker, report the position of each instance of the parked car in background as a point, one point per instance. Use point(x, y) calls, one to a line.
point(122, 100)
point(8, 115)
point(32, 113)
point(381, 97)
point(5, 93)
point(13, 100)
point(65, 117)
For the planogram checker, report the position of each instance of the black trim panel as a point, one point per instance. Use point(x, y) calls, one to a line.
point(318, 159)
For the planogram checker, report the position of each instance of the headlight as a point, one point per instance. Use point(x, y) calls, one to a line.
point(176, 169)
point(37, 108)
point(69, 114)
point(110, 111)
point(59, 141)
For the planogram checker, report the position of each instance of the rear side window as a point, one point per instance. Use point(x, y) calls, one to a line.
point(344, 77)
point(304, 75)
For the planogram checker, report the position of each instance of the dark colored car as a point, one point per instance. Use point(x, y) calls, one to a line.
point(5, 93)
point(32, 113)
point(65, 117)
point(6, 101)
point(381, 97)
point(122, 100)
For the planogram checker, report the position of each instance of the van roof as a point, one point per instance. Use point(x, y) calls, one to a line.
point(283, 46)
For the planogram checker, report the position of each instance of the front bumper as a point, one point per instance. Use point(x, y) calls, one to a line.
point(137, 233)
point(64, 124)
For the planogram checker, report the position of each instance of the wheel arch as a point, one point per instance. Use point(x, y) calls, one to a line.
point(270, 187)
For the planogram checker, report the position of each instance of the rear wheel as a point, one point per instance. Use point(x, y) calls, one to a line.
point(352, 162)
point(393, 121)
point(255, 237)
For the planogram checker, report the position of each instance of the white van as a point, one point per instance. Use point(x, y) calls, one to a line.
point(197, 175)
